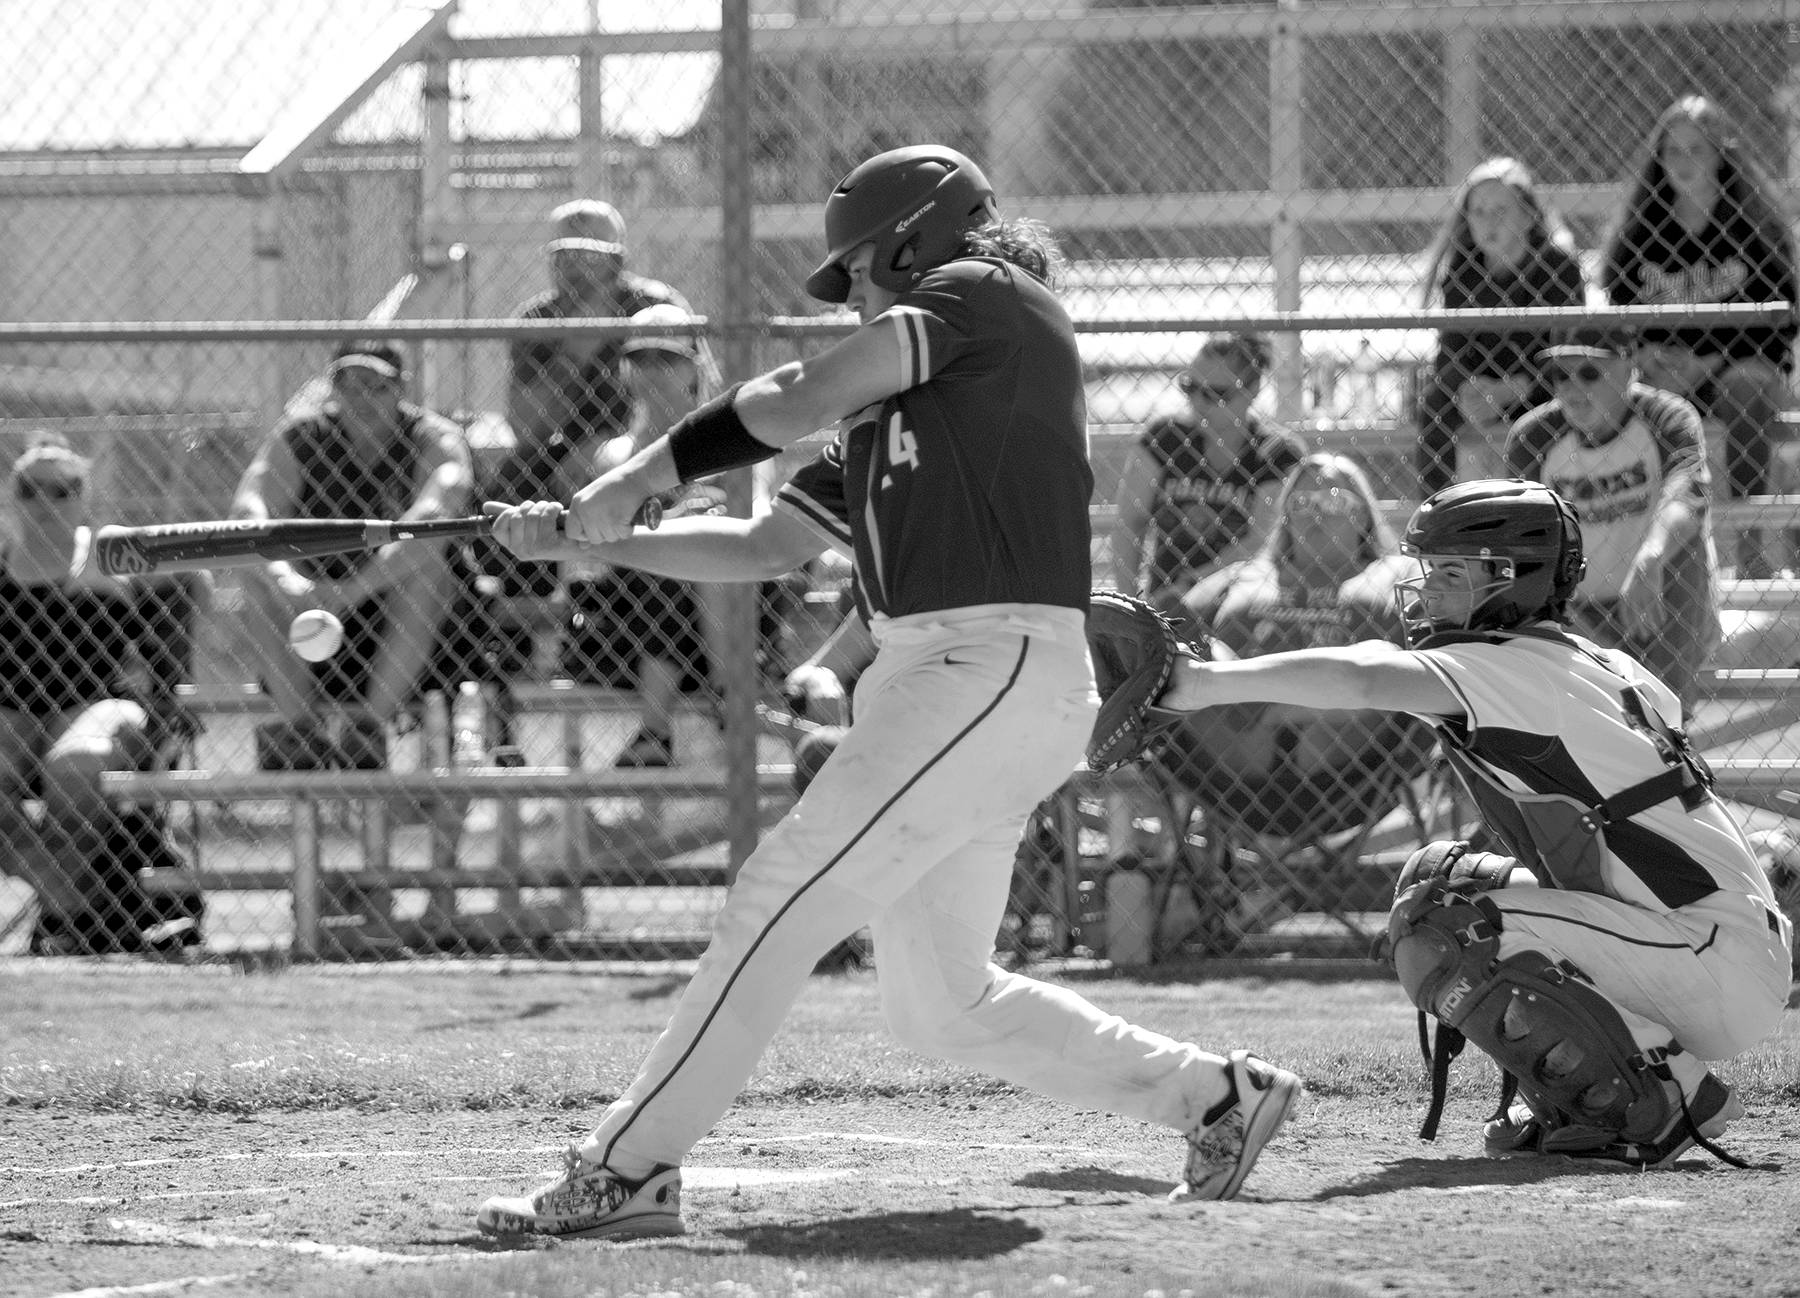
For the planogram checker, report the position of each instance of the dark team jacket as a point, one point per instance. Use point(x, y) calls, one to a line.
point(334, 485)
point(64, 644)
point(971, 485)
point(1198, 514)
point(1658, 262)
point(598, 405)
point(593, 389)
point(1551, 276)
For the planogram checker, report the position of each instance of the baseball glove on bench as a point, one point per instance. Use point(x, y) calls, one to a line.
point(1134, 649)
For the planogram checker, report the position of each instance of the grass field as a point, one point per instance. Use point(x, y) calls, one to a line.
point(329, 1131)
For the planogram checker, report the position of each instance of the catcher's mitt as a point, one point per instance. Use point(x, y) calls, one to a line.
point(1134, 649)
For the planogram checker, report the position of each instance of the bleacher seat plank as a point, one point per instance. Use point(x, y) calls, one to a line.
point(474, 782)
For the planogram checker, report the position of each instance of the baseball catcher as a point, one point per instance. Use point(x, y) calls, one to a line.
point(1626, 934)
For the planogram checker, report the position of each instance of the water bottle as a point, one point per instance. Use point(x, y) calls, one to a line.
point(468, 727)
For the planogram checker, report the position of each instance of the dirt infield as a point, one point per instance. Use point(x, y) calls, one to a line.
point(1346, 1202)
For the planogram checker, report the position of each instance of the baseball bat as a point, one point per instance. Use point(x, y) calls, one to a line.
point(234, 543)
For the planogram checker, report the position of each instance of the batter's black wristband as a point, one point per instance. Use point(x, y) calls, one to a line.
point(712, 439)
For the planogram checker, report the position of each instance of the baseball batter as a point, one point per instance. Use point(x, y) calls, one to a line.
point(959, 481)
point(1629, 934)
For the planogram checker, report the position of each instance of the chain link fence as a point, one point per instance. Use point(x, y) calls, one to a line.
point(186, 256)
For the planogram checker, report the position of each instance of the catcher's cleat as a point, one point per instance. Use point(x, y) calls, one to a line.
point(590, 1202)
point(1713, 1107)
point(1221, 1153)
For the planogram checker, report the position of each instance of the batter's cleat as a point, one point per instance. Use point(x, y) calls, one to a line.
point(1221, 1153)
point(590, 1202)
point(1712, 1108)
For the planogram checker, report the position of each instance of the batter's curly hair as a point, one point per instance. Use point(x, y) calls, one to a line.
point(1023, 242)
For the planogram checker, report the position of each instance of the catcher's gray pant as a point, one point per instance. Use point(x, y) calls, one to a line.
point(966, 720)
point(1713, 975)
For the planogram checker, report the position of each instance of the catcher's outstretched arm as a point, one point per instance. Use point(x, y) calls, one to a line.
point(1373, 674)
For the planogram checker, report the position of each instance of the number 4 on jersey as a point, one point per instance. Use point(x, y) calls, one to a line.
point(903, 447)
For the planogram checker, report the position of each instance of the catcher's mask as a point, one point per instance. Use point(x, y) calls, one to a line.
point(915, 204)
point(1527, 539)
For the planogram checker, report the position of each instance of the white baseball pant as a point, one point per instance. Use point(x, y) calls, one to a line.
point(966, 720)
point(1713, 975)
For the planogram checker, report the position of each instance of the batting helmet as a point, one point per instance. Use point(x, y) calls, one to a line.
point(1531, 536)
point(915, 204)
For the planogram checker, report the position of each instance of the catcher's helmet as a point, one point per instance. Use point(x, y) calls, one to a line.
point(915, 204)
point(1530, 534)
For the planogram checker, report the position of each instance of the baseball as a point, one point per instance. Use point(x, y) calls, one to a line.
point(315, 635)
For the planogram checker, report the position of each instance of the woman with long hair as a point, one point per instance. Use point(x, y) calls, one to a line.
point(1701, 223)
point(1501, 245)
point(1324, 576)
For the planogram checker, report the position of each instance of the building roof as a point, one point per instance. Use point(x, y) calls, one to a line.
point(216, 73)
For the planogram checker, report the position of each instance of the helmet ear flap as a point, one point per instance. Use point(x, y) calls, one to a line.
point(1571, 561)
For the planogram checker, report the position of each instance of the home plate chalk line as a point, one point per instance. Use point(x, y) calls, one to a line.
point(303, 1155)
point(130, 1230)
point(693, 1177)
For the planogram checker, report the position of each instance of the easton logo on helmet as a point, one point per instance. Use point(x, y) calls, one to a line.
point(902, 227)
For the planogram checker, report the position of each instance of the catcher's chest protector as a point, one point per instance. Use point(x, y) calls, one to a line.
point(1573, 1056)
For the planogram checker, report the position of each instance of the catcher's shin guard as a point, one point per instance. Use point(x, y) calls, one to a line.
point(1575, 1060)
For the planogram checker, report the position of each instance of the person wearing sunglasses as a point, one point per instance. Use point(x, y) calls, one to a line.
point(1198, 489)
point(88, 669)
point(1632, 460)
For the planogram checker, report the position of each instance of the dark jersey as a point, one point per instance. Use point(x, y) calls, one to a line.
point(583, 386)
point(334, 483)
point(63, 646)
point(1551, 276)
point(1197, 513)
point(1659, 263)
point(970, 486)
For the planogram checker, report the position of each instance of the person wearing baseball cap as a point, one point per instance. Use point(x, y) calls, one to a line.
point(1593, 342)
point(1632, 459)
point(382, 358)
point(563, 392)
point(365, 452)
point(635, 630)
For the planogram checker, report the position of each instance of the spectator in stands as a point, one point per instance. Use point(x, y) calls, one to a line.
point(1632, 461)
point(565, 392)
point(631, 629)
point(1324, 576)
point(1500, 246)
point(1701, 223)
point(365, 453)
point(1198, 489)
point(88, 669)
